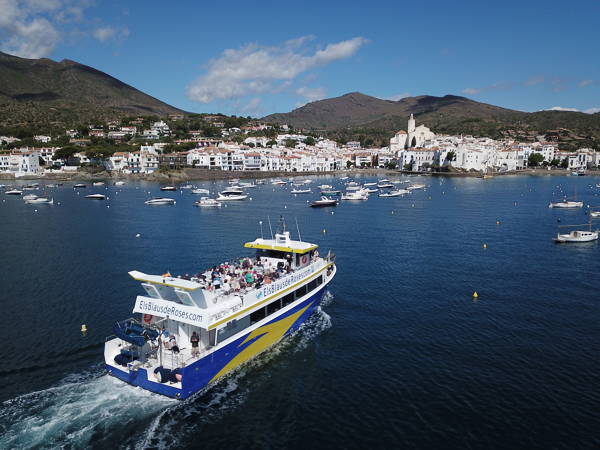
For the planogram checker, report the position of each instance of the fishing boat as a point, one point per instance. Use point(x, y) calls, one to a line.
point(96, 197)
point(168, 188)
point(160, 201)
point(14, 192)
point(300, 191)
point(200, 191)
point(152, 350)
point(324, 201)
point(356, 195)
point(40, 201)
point(206, 202)
point(394, 193)
point(79, 186)
point(577, 236)
point(566, 204)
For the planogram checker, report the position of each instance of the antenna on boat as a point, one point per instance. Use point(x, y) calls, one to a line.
point(270, 228)
point(261, 232)
point(298, 228)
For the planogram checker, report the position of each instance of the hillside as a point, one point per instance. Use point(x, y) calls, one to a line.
point(356, 114)
point(42, 91)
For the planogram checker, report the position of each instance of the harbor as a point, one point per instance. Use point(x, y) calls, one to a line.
point(399, 332)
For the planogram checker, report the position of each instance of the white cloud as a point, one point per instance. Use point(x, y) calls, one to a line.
point(397, 97)
point(560, 108)
point(29, 28)
point(472, 91)
point(252, 107)
point(256, 69)
point(584, 83)
point(533, 81)
point(103, 34)
point(591, 110)
point(311, 94)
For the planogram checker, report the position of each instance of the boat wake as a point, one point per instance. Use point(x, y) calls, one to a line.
point(86, 410)
point(95, 410)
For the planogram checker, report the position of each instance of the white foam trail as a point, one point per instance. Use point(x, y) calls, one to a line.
point(76, 414)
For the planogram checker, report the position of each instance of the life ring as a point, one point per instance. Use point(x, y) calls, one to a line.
point(148, 318)
point(304, 259)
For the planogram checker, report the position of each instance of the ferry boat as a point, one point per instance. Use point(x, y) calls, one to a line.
point(232, 326)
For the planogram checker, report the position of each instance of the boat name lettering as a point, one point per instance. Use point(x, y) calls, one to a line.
point(287, 281)
point(163, 308)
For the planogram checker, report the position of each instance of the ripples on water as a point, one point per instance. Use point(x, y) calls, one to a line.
point(408, 359)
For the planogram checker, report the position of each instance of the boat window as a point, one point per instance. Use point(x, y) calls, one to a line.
point(300, 292)
point(273, 307)
point(320, 280)
point(287, 300)
point(257, 316)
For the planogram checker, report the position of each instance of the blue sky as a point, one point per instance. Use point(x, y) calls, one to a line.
point(240, 58)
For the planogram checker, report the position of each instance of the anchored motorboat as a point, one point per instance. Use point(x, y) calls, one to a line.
point(356, 195)
point(385, 185)
point(300, 191)
point(14, 192)
point(160, 201)
point(119, 183)
point(98, 183)
point(566, 204)
point(231, 194)
point(394, 193)
point(168, 188)
point(29, 197)
point(40, 201)
point(207, 202)
point(416, 186)
point(281, 182)
point(200, 191)
point(228, 326)
point(79, 186)
point(324, 201)
point(186, 186)
point(96, 197)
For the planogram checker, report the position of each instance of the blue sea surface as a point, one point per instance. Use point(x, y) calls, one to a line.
point(399, 355)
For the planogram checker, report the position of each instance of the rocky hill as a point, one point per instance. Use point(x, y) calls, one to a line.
point(37, 91)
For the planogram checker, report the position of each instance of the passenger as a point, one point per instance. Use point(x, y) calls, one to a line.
point(267, 279)
point(249, 278)
point(225, 287)
point(217, 283)
point(195, 339)
point(173, 344)
point(235, 284)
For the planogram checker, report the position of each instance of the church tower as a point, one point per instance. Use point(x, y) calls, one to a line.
point(411, 124)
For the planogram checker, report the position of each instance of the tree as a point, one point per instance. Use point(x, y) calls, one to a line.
point(349, 164)
point(451, 156)
point(290, 143)
point(564, 163)
point(535, 159)
point(65, 152)
point(271, 143)
point(310, 140)
point(555, 162)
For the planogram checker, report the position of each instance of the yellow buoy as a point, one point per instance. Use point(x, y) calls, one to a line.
point(475, 295)
point(84, 328)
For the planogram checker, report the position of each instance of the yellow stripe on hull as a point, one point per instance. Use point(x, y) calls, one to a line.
point(266, 335)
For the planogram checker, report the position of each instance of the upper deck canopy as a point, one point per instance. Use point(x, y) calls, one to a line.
point(282, 243)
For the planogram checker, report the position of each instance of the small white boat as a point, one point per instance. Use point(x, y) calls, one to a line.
point(247, 185)
point(40, 201)
point(186, 186)
point(260, 181)
point(98, 183)
point(566, 204)
point(384, 180)
point(31, 188)
point(200, 191)
point(352, 186)
point(300, 191)
point(52, 185)
point(325, 187)
point(370, 184)
point(371, 190)
point(207, 203)
point(29, 197)
point(14, 192)
point(595, 214)
point(278, 182)
point(344, 178)
point(96, 197)
point(385, 185)
point(356, 195)
point(228, 197)
point(394, 193)
point(160, 201)
point(414, 187)
point(79, 186)
point(234, 181)
point(168, 188)
point(307, 181)
point(577, 236)
point(323, 202)
point(119, 183)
